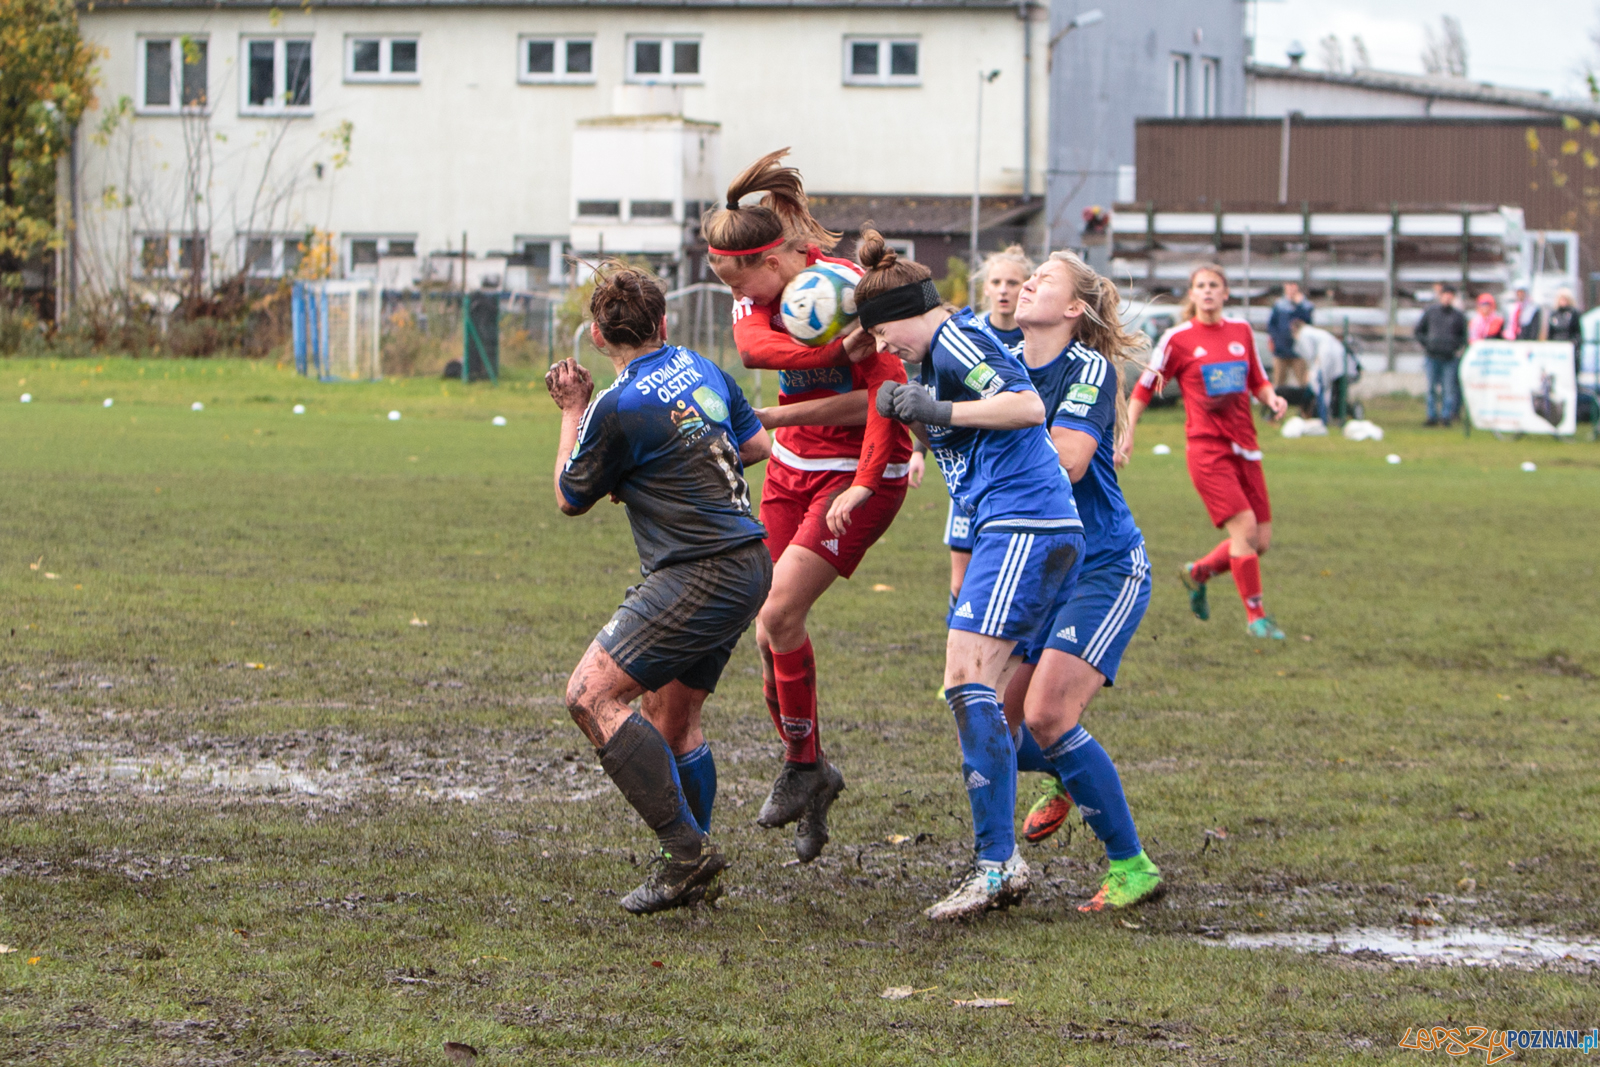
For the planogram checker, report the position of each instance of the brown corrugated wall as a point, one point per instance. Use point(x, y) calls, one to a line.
point(1549, 167)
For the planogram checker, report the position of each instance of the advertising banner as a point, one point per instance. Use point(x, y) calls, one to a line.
point(1520, 386)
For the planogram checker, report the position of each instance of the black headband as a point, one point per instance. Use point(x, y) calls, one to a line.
point(901, 302)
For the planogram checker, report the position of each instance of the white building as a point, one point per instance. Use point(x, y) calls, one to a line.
point(1368, 93)
point(227, 131)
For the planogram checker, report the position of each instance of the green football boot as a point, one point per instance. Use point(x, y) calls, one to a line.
point(1264, 627)
point(1128, 882)
point(1197, 592)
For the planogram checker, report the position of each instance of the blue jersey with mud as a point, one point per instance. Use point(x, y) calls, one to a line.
point(664, 440)
point(1002, 479)
point(1079, 389)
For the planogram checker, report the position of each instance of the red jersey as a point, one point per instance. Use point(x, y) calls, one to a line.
point(1218, 371)
point(877, 452)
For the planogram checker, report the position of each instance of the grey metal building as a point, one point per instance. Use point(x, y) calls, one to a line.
point(1144, 59)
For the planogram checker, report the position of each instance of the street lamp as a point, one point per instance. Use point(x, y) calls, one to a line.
point(984, 78)
point(1088, 18)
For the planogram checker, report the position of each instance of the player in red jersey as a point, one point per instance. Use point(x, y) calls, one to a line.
point(838, 471)
point(1213, 359)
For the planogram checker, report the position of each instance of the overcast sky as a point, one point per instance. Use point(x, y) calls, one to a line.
point(1532, 44)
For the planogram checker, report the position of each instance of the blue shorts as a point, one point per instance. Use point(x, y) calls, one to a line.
point(958, 530)
point(1097, 620)
point(1014, 581)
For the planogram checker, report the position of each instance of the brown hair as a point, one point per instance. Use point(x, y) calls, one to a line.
point(1100, 326)
point(1013, 254)
point(1186, 309)
point(782, 213)
point(628, 304)
point(885, 269)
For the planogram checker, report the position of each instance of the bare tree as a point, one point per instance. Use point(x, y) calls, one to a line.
point(1360, 58)
point(1446, 50)
point(1332, 54)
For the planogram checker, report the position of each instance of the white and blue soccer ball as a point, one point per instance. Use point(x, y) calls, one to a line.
point(819, 304)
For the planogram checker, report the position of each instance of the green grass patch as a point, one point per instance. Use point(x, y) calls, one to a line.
point(257, 812)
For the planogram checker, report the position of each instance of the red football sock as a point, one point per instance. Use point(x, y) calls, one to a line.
point(1212, 563)
point(797, 702)
point(1247, 576)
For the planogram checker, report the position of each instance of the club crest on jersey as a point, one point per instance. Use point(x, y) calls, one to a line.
point(689, 422)
point(983, 380)
point(1083, 393)
point(1236, 347)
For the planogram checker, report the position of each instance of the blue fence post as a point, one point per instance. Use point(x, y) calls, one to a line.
point(297, 313)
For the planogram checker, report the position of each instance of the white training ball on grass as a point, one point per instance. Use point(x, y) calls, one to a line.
point(819, 304)
point(1529, 466)
point(499, 420)
point(27, 398)
point(1162, 450)
point(299, 409)
point(1392, 458)
point(394, 416)
point(108, 402)
point(197, 406)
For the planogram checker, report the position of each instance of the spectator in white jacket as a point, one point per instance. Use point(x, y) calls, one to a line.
point(1326, 360)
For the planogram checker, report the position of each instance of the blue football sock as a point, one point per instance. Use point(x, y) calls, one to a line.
point(697, 770)
point(989, 766)
point(1030, 757)
point(1092, 782)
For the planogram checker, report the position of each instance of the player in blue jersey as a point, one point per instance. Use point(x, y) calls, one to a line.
point(999, 279)
point(1073, 347)
point(984, 422)
point(669, 439)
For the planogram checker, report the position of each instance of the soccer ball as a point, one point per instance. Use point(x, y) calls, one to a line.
point(820, 304)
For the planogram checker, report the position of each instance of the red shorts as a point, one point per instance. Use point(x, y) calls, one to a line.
point(1226, 481)
point(794, 509)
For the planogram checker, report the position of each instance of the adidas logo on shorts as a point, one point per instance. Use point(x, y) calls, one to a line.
point(832, 545)
point(977, 781)
point(1069, 634)
point(964, 611)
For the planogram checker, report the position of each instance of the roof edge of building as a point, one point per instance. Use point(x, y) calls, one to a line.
point(1427, 87)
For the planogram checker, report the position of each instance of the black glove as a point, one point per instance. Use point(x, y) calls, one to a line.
point(913, 404)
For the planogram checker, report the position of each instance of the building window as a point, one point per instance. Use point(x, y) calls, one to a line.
point(556, 59)
point(268, 255)
point(876, 61)
point(363, 251)
point(165, 255)
point(173, 74)
point(1178, 86)
point(664, 59)
point(600, 209)
point(650, 209)
point(902, 248)
point(277, 75)
point(1210, 79)
point(543, 258)
point(381, 59)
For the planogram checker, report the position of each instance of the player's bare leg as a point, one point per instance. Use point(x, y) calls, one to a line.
point(636, 757)
point(808, 784)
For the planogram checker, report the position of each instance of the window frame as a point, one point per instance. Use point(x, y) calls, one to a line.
point(560, 75)
point(1178, 64)
point(173, 267)
point(174, 77)
point(384, 243)
point(668, 43)
point(1210, 87)
point(884, 78)
point(280, 75)
point(281, 244)
point(385, 74)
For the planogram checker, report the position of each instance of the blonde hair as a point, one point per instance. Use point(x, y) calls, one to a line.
point(783, 212)
point(1186, 310)
point(1100, 327)
point(1012, 254)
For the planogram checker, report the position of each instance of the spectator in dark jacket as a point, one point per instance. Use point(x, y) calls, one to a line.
point(1525, 320)
point(1443, 334)
point(1564, 324)
point(1285, 360)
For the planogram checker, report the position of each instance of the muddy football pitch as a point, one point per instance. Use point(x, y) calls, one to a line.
point(287, 777)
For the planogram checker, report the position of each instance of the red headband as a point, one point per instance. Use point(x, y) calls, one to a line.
point(769, 246)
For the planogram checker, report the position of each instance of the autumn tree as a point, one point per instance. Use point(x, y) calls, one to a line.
point(46, 85)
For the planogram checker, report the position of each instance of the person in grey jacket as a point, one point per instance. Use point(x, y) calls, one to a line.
point(1443, 334)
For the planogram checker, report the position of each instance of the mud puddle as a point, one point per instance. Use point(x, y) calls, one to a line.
point(1437, 945)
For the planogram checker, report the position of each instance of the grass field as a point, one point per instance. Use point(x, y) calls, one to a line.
point(388, 835)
